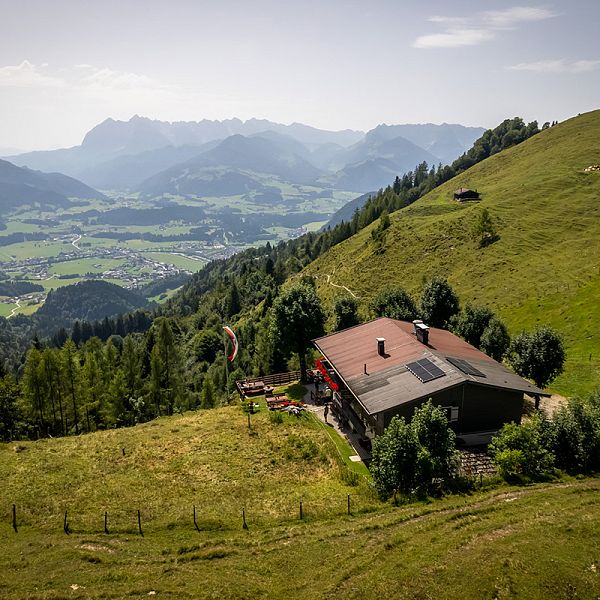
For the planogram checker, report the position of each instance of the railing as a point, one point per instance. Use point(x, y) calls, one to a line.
point(276, 378)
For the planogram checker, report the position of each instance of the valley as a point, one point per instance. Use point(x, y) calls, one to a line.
point(133, 241)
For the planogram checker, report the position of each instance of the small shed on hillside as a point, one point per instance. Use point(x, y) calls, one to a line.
point(466, 194)
point(388, 367)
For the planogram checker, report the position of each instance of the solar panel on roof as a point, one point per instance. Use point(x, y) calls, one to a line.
point(464, 366)
point(424, 370)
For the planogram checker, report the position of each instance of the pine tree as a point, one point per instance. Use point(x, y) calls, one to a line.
point(33, 387)
point(70, 368)
point(207, 399)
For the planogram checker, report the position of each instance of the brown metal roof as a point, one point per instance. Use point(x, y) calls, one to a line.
point(388, 382)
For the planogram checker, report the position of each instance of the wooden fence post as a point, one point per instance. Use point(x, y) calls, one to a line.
point(105, 522)
point(349, 505)
point(140, 523)
point(244, 524)
point(301, 515)
point(195, 522)
point(66, 524)
point(14, 523)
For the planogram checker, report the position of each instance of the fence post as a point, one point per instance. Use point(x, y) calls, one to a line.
point(349, 505)
point(195, 522)
point(105, 522)
point(140, 523)
point(301, 515)
point(14, 523)
point(66, 524)
point(244, 524)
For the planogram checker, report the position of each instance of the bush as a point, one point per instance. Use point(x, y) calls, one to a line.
point(524, 451)
point(576, 435)
point(409, 457)
point(276, 417)
point(509, 463)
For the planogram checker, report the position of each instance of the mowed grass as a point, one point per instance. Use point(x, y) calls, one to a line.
point(540, 541)
point(544, 269)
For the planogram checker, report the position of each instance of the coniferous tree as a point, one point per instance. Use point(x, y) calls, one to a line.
point(10, 417)
point(70, 368)
point(33, 388)
point(155, 379)
point(130, 362)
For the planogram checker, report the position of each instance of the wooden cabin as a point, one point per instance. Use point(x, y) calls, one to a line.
point(387, 367)
point(463, 194)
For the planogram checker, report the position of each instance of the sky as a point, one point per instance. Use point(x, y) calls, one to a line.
point(66, 65)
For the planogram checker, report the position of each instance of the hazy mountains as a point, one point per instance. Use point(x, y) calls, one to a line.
point(215, 157)
point(20, 186)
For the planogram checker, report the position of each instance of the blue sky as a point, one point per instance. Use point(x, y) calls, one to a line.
point(67, 65)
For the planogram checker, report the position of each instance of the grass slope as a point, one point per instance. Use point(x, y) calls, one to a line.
point(544, 269)
point(533, 542)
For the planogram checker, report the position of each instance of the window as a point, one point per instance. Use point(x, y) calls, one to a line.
point(451, 413)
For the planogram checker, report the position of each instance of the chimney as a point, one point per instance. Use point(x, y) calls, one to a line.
point(421, 331)
point(381, 346)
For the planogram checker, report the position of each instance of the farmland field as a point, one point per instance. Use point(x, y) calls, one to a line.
point(132, 241)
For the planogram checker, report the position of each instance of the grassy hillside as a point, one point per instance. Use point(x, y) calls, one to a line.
point(209, 459)
point(503, 542)
point(543, 269)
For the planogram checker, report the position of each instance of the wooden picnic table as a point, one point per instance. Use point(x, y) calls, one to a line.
point(252, 387)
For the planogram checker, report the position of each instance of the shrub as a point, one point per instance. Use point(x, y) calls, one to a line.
point(576, 435)
point(276, 417)
point(409, 457)
point(522, 451)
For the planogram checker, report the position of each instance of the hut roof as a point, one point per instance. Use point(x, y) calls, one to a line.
point(393, 379)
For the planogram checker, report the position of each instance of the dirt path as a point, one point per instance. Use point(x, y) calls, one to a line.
point(75, 242)
point(15, 309)
point(341, 287)
point(552, 404)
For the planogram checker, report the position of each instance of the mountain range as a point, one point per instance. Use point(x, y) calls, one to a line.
point(19, 185)
point(215, 157)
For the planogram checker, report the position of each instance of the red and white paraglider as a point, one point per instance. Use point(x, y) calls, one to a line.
point(234, 343)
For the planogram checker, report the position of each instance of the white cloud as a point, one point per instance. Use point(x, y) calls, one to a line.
point(27, 75)
point(80, 78)
point(517, 14)
point(479, 28)
point(453, 38)
point(107, 79)
point(557, 66)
